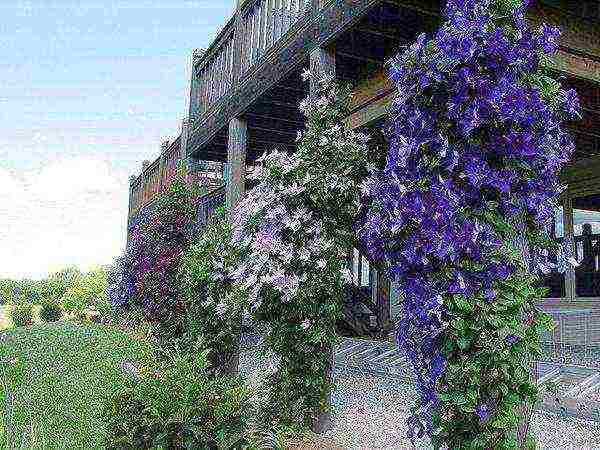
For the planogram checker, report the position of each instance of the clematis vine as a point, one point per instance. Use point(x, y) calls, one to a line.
point(459, 215)
point(144, 278)
point(213, 303)
point(294, 230)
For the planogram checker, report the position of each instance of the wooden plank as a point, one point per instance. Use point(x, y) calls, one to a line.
point(582, 387)
point(553, 374)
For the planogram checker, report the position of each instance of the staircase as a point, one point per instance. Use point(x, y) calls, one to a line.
point(360, 316)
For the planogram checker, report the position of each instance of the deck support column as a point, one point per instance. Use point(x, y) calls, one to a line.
point(322, 64)
point(236, 180)
point(131, 204)
point(236, 162)
point(382, 300)
point(196, 105)
point(162, 166)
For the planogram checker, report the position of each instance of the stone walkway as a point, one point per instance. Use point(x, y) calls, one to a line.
point(373, 395)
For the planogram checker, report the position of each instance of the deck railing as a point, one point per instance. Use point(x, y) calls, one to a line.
point(216, 74)
point(265, 23)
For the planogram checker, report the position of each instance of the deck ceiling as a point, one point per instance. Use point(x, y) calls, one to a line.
point(274, 120)
point(377, 37)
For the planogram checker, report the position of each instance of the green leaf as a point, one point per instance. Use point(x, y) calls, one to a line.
point(463, 343)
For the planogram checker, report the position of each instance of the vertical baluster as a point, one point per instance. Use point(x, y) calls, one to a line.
point(214, 79)
point(226, 67)
point(220, 74)
point(276, 19)
point(250, 36)
point(210, 81)
point(243, 47)
point(268, 23)
point(229, 64)
point(259, 27)
point(217, 76)
point(231, 61)
point(203, 88)
point(265, 27)
point(285, 9)
point(256, 33)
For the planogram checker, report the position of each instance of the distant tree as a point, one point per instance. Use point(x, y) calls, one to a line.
point(59, 282)
point(87, 292)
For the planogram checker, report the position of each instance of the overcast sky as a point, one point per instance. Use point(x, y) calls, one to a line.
point(88, 90)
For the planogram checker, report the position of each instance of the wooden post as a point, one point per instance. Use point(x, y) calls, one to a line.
point(236, 179)
point(185, 133)
point(383, 300)
point(197, 106)
point(164, 148)
point(569, 236)
point(236, 161)
point(145, 182)
point(131, 204)
point(322, 63)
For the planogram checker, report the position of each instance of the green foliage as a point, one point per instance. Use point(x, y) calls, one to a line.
point(34, 291)
point(175, 404)
point(294, 230)
point(213, 303)
point(22, 315)
point(51, 311)
point(484, 363)
point(66, 373)
point(87, 292)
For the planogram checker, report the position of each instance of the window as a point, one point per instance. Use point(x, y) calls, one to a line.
point(555, 281)
point(586, 232)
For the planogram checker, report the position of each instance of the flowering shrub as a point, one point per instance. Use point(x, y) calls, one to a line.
point(460, 214)
point(120, 284)
point(157, 246)
point(213, 304)
point(293, 253)
point(291, 271)
point(175, 404)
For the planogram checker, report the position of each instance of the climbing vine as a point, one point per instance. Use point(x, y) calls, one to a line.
point(145, 277)
point(293, 252)
point(459, 215)
point(213, 303)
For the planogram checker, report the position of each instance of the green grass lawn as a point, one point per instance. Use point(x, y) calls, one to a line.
point(68, 369)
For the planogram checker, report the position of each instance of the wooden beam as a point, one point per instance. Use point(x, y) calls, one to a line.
point(361, 58)
point(391, 37)
point(273, 119)
point(272, 130)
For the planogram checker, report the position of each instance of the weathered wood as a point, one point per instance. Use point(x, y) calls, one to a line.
point(197, 106)
point(322, 65)
point(383, 301)
point(236, 161)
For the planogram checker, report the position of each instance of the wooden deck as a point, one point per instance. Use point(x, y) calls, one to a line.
point(246, 88)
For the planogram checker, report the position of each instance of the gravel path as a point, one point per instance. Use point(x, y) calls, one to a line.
point(369, 412)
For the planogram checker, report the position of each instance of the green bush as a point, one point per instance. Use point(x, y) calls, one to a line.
point(51, 311)
point(175, 405)
point(22, 315)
